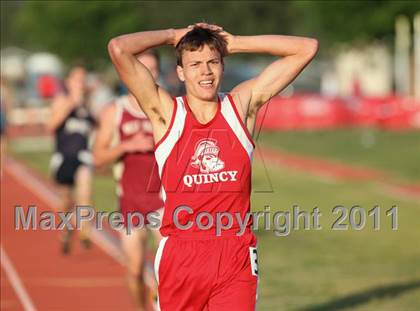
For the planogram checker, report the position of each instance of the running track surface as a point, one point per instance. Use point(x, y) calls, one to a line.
point(39, 277)
point(36, 276)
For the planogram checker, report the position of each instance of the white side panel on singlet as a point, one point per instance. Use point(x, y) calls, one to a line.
point(231, 118)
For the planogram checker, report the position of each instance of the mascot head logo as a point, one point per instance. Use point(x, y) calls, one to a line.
point(206, 156)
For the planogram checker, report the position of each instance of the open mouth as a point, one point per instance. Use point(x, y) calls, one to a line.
point(208, 84)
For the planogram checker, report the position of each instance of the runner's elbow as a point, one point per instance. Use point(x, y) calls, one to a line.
point(115, 49)
point(311, 47)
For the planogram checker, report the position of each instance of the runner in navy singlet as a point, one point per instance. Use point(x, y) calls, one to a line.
point(72, 123)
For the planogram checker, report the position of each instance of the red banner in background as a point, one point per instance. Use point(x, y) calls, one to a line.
point(308, 112)
point(317, 112)
point(47, 86)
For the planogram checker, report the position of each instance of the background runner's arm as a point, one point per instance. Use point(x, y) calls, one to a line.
point(103, 151)
point(61, 107)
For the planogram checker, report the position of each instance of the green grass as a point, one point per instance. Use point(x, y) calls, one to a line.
point(325, 269)
point(395, 152)
point(333, 270)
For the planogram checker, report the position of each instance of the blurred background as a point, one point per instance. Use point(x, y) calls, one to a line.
point(346, 132)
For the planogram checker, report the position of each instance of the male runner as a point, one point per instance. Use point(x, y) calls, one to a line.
point(125, 135)
point(204, 150)
point(72, 123)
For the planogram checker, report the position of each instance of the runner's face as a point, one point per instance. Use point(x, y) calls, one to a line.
point(202, 71)
point(76, 81)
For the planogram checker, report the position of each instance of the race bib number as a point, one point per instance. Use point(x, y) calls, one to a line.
point(254, 260)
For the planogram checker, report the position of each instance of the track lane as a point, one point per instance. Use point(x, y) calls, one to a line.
point(84, 280)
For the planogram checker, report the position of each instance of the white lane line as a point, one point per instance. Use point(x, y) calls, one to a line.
point(29, 181)
point(33, 184)
point(105, 242)
point(15, 281)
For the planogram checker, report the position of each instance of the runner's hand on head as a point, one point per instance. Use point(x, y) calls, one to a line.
point(226, 35)
point(180, 33)
point(209, 26)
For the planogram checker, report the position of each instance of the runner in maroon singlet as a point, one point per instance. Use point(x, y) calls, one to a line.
point(125, 138)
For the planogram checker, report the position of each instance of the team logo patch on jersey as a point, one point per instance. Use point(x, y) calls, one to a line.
point(206, 159)
point(74, 125)
point(206, 156)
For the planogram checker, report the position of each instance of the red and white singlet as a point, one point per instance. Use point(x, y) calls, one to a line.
point(138, 185)
point(206, 167)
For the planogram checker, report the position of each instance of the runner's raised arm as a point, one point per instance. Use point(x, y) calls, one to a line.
point(154, 101)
